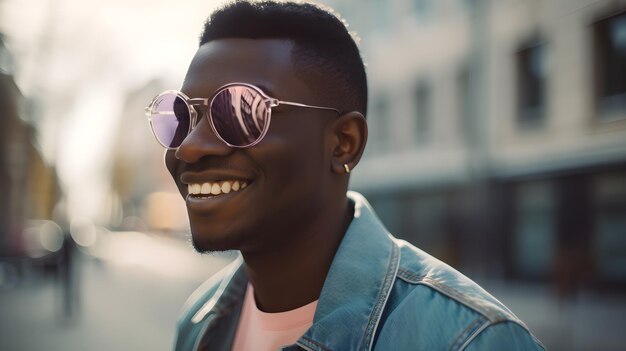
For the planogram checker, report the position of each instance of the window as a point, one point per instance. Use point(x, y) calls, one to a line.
point(465, 106)
point(427, 215)
point(535, 229)
point(609, 45)
point(531, 77)
point(388, 208)
point(379, 123)
point(423, 101)
point(609, 243)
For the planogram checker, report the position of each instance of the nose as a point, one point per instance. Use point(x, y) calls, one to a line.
point(201, 142)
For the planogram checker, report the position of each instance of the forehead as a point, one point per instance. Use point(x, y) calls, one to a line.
point(263, 62)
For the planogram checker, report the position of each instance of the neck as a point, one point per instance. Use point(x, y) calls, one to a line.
point(292, 275)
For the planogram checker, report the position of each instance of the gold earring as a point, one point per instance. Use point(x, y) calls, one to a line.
point(345, 166)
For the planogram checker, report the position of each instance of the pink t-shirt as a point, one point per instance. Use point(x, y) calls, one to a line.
point(262, 331)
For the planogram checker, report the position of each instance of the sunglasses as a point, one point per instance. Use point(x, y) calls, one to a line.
point(239, 114)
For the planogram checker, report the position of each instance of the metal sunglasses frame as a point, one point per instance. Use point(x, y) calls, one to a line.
point(207, 102)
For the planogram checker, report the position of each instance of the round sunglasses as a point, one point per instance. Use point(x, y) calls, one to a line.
point(239, 114)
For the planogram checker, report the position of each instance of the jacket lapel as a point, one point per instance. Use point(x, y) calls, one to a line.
point(357, 286)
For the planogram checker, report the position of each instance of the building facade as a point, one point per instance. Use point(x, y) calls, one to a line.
point(29, 186)
point(498, 134)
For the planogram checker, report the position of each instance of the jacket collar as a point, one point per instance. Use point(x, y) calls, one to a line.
point(352, 300)
point(357, 285)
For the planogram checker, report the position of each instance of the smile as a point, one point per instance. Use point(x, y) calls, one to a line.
point(212, 189)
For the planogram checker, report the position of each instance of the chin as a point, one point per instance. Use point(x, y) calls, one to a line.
point(203, 248)
point(205, 242)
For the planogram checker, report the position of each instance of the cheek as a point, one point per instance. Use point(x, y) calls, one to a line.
point(294, 144)
point(295, 162)
point(171, 163)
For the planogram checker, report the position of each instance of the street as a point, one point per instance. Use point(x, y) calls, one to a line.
point(129, 299)
point(122, 304)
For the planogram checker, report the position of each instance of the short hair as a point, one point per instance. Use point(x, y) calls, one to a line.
point(324, 54)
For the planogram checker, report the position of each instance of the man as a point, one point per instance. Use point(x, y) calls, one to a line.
point(261, 140)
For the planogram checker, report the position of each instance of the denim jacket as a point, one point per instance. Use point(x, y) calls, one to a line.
point(380, 293)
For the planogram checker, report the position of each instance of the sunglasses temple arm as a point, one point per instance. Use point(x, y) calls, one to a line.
point(278, 102)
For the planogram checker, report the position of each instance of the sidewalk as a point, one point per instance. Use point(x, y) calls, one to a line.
point(123, 304)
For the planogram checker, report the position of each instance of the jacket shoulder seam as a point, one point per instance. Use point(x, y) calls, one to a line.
point(488, 324)
point(491, 311)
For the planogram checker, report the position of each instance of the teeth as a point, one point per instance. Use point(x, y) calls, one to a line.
point(226, 187)
point(195, 188)
point(216, 188)
point(206, 188)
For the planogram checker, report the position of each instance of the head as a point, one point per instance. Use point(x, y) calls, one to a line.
point(295, 176)
point(325, 55)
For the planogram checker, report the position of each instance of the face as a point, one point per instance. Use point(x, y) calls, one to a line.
point(285, 174)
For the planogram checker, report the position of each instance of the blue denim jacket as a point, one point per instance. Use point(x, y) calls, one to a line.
point(381, 293)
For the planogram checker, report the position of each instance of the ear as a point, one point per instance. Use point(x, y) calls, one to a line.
point(348, 141)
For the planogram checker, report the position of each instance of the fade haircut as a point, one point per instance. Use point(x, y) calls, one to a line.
point(325, 54)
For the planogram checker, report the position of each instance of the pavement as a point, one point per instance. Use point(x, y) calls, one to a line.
point(130, 289)
point(123, 303)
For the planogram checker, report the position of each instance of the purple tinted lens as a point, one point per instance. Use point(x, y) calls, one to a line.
point(170, 119)
point(239, 115)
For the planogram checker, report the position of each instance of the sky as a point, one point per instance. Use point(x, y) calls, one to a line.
point(78, 58)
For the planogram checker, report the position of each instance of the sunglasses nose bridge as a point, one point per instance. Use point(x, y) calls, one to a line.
point(196, 116)
point(198, 107)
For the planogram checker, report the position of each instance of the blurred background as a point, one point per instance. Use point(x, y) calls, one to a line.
point(497, 143)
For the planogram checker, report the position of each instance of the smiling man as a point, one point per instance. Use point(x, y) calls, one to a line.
point(261, 140)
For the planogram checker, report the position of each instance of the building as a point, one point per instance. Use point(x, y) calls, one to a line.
point(498, 134)
point(29, 186)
